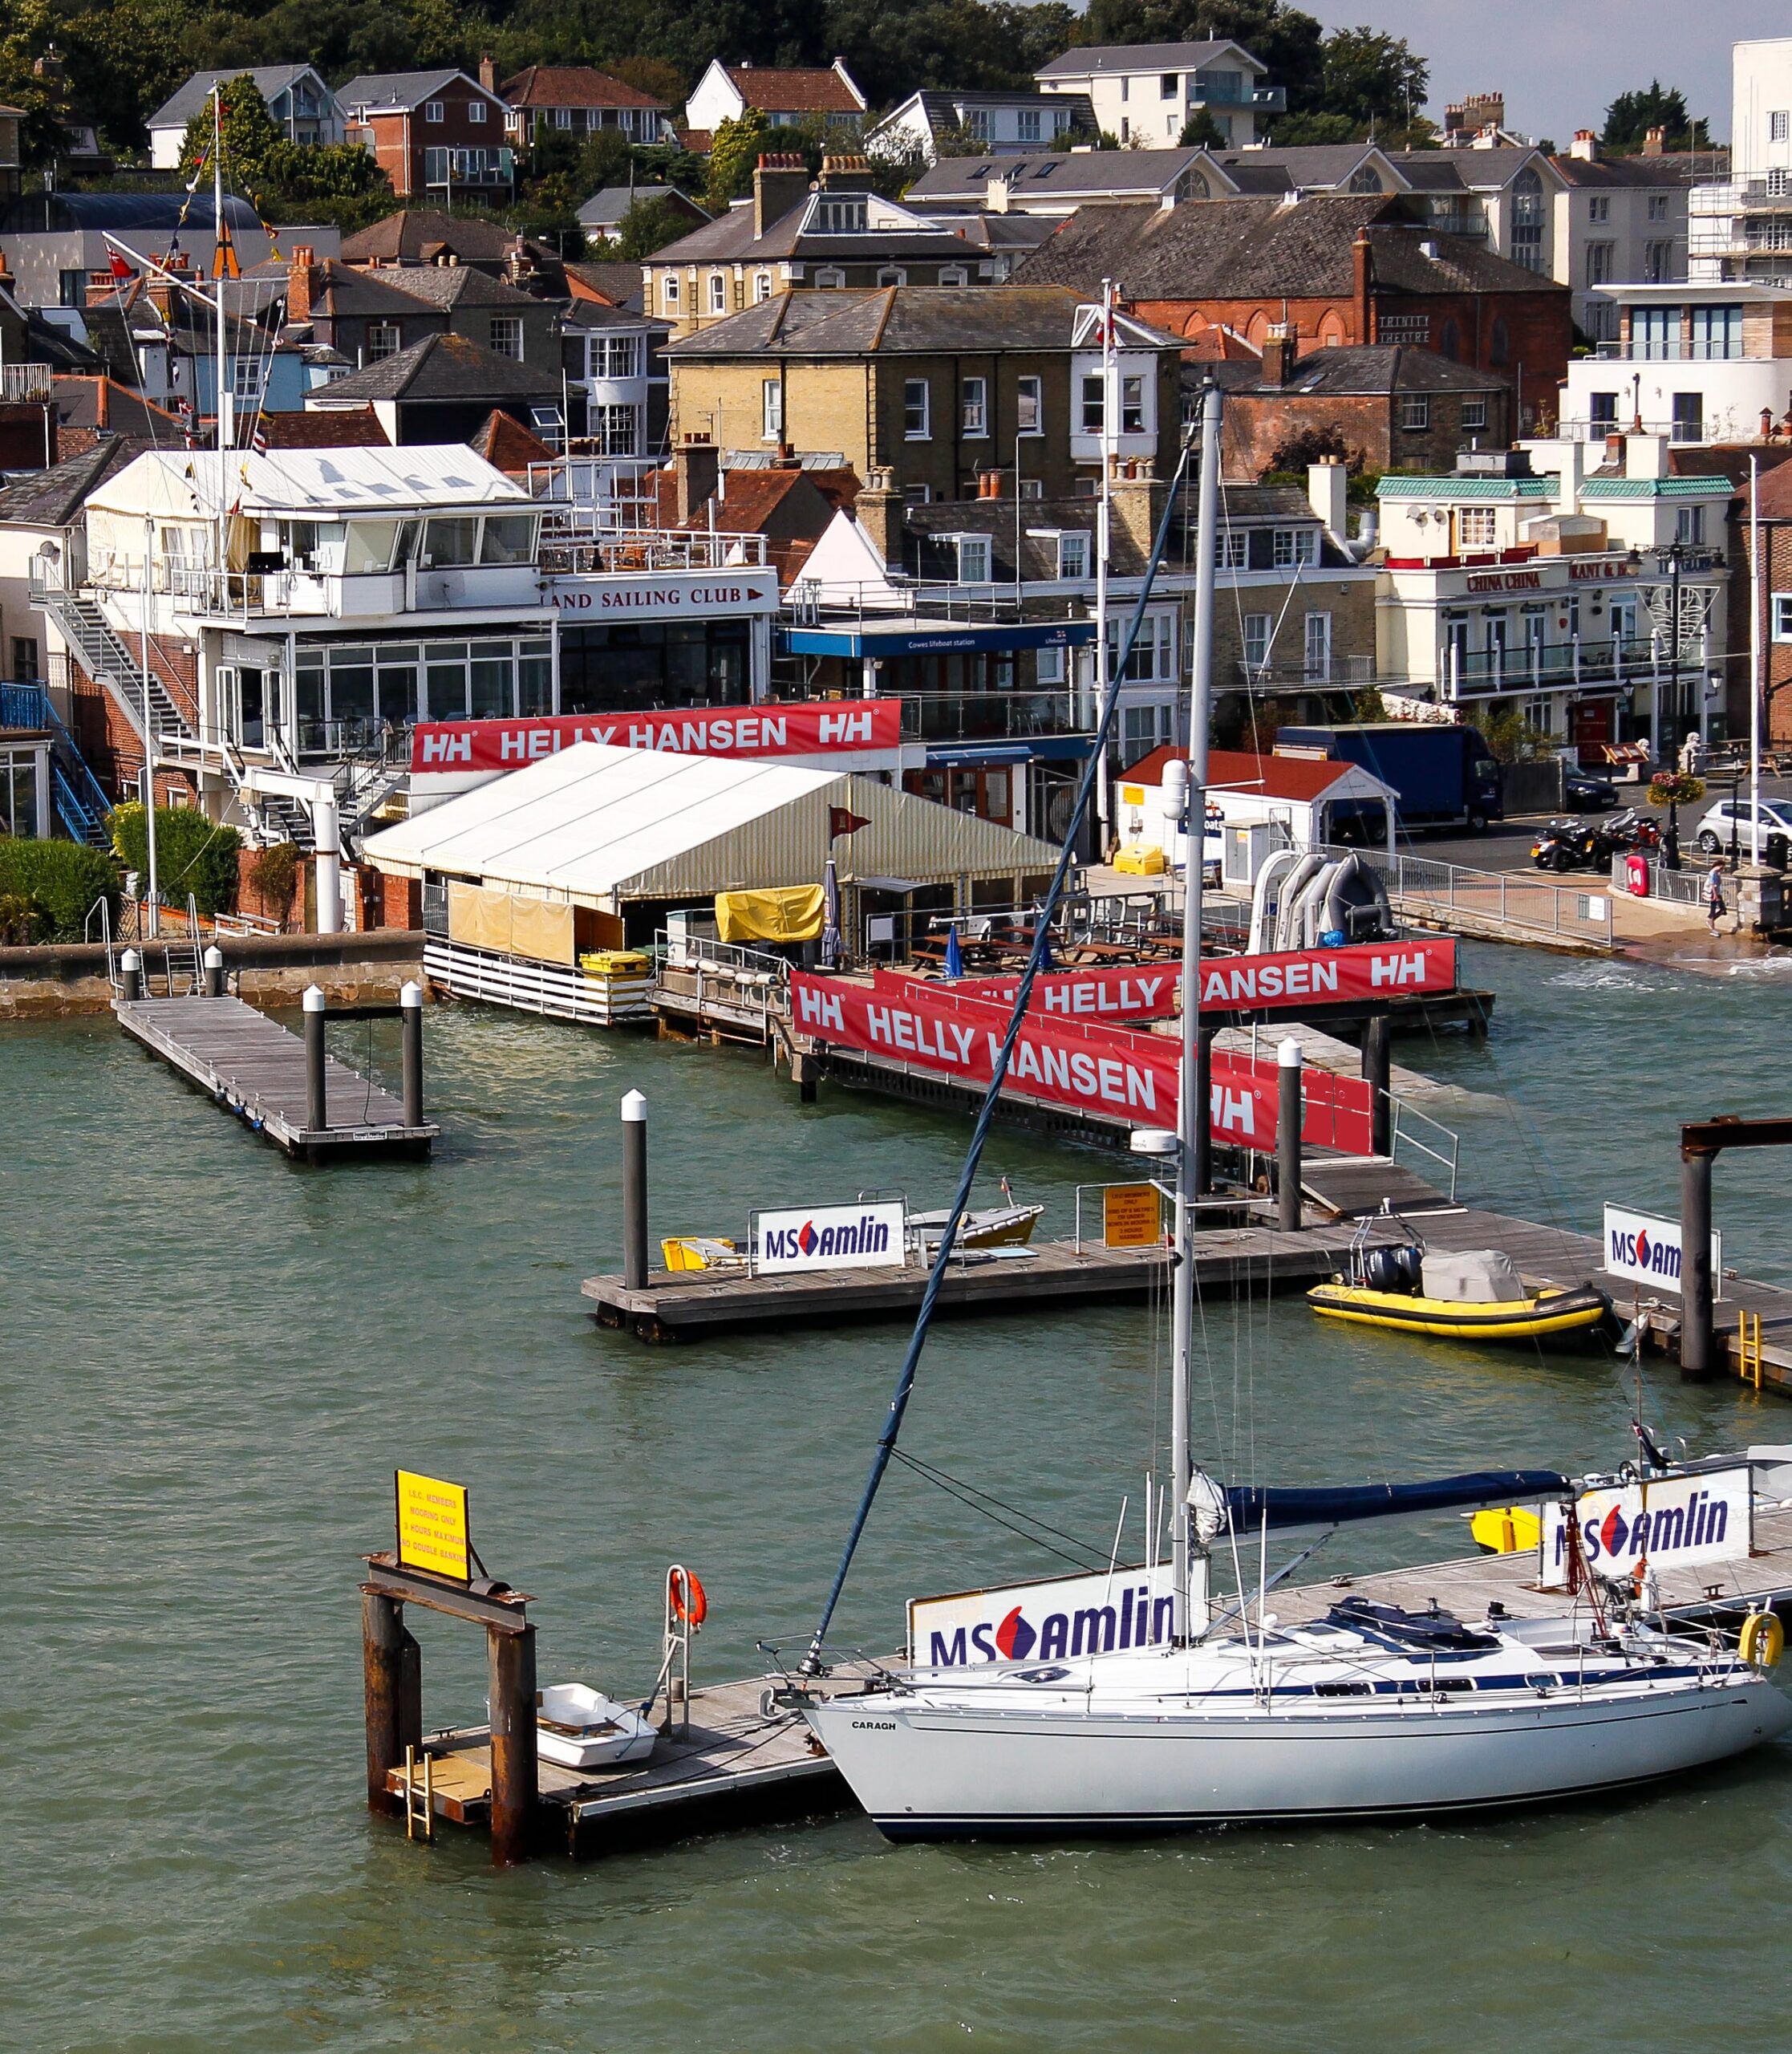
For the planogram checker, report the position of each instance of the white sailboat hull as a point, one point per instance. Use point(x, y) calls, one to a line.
point(924, 1773)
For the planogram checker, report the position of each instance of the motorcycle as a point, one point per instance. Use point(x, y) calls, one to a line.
point(1565, 844)
point(1631, 830)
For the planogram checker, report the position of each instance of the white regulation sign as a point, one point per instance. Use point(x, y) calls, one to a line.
point(868, 1236)
point(1674, 1523)
point(1645, 1250)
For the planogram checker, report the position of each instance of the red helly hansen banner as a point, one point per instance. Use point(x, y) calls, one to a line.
point(1091, 1068)
point(823, 728)
point(1232, 984)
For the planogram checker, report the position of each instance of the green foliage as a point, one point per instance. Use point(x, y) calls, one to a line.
point(274, 877)
point(193, 853)
point(648, 225)
point(604, 159)
point(1201, 132)
point(1288, 460)
point(1510, 738)
point(1629, 117)
point(1368, 76)
point(338, 182)
point(58, 882)
point(735, 149)
point(24, 919)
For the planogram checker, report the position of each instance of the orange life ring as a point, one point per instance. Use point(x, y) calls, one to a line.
point(685, 1597)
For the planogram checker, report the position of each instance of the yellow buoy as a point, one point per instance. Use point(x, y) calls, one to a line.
point(1763, 1640)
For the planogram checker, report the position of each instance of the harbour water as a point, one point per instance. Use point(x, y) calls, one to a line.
point(211, 1361)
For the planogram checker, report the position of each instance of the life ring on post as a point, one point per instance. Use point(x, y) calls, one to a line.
point(686, 1599)
point(1763, 1640)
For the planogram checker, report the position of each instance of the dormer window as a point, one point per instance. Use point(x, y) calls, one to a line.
point(840, 215)
point(973, 559)
point(1073, 554)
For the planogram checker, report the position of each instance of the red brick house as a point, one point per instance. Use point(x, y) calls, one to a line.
point(576, 98)
point(1348, 268)
point(436, 135)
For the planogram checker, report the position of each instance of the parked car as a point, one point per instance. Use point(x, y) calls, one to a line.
point(1731, 819)
point(1583, 793)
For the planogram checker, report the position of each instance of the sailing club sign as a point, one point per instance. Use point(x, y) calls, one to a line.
point(843, 726)
point(1667, 1523)
point(1110, 1072)
point(868, 1236)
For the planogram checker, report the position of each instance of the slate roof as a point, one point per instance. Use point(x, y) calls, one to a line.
point(1461, 171)
point(821, 91)
point(730, 237)
point(451, 286)
point(572, 85)
point(387, 92)
point(414, 235)
point(605, 209)
point(442, 367)
point(507, 445)
point(618, 284)
point(1116, 57)
point(180, 107)
point(1284, 170)
point(1263, 248)
point(1058, 171)
point(1372, 369)
point(53, 498)
point(1612, 174)
point(900, 320)
point(344, 291)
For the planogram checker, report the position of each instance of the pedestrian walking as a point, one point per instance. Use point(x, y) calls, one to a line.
point(1715, 904)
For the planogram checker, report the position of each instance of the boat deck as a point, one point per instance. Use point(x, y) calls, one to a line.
point(254, 1067)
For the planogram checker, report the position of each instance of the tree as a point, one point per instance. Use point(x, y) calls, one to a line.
point(1201, 132)
point(734, 150)
point(604, 159)
point(338, 182)
point(648, 225)
point(1629, 117)
point(1373, 78)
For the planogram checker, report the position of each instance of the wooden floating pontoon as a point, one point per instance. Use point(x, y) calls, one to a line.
point(252, 1066)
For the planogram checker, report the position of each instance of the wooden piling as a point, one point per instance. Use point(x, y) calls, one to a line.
point(510, 1670)
point(1378, 1074)
point(392, 1671)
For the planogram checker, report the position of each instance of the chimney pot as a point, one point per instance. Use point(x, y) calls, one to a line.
point(1653, 142)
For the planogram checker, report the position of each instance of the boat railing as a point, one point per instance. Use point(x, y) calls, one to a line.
point(1437, 1142)
point(1451, 896)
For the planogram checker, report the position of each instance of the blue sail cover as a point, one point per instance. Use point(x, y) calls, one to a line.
point(1320, 1507)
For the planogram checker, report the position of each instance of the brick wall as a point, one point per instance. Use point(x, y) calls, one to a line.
point(1258, 424)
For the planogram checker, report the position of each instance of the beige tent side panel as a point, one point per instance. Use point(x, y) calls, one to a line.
point(479, 918)
point(541, 929)
point(908, 837)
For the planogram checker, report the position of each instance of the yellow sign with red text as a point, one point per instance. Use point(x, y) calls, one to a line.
point(1131, 1217)
point(433, 1525)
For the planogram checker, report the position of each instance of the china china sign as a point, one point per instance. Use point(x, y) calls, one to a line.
point(835, 727)
point(1111, 1072)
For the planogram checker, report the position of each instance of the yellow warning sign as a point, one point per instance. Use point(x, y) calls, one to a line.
point(1131, 1217)
point(431, 1525)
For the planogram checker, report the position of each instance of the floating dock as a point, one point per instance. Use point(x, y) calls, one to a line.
point(744, 1759)
point(254, 1067)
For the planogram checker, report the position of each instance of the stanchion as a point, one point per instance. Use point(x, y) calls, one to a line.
point(410, 1001)
point(1287, 1136)
point(214, 971)
point(317, 1110)
point(634, 1191)
point(130, 972)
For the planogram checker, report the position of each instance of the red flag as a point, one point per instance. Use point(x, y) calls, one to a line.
point(120, 269)
point(841, 822)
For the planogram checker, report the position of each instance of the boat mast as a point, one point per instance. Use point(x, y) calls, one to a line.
point(226, 424)
point(1190, 1113)
point(1104, 537)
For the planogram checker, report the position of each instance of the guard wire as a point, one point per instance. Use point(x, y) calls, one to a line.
point(979, 1135)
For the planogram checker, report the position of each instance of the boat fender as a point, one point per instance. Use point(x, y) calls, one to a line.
point(1763, 1640)
point(686, 1598)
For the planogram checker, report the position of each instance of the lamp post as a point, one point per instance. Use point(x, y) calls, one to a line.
point(1675, 555)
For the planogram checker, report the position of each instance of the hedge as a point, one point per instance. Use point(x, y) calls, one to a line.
point(61, 878)
point(193, 853)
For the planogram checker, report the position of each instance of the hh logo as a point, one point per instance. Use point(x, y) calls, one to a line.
point(821, 1009)
point(447, 749)
point(845, 727)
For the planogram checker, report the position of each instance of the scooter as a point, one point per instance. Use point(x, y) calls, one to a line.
point(1565, 844)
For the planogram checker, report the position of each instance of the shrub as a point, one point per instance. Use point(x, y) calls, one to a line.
point(24, 920)
point(60, 880)
point(274, 875)
point(193, 853)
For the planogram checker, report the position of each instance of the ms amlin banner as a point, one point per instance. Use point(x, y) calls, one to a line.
point(842, 725)
point(1118, 1073)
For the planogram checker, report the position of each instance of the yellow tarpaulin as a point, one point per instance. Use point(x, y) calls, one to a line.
point(542, 930)
point(794, 913)
point(538, 928)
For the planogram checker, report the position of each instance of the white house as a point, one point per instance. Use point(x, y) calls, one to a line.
point(725, 91)
point(1547, 579)
point(1617, 221)
point(1741, 225)
point(1146, 93)
point(1004, 124)
point(302, 107)
point(1697, 362)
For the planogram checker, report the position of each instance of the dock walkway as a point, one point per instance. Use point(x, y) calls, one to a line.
point(252, 1066)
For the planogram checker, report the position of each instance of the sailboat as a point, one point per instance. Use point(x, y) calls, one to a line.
point(1125, 1710)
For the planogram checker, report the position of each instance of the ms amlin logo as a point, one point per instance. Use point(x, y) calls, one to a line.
point(861, 1235)
point(867, 1235)
point(1080, 1615)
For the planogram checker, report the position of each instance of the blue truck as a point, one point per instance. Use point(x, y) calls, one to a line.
point(1444, 777)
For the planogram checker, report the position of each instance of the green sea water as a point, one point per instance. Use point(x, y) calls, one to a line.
point(211, 1361)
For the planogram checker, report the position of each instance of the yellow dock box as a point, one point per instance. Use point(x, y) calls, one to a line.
point(614, 963)
point(1136, 860)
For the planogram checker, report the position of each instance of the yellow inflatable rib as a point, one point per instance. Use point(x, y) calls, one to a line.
point(1511, 1319)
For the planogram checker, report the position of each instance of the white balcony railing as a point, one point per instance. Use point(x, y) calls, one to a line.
point(24, 384)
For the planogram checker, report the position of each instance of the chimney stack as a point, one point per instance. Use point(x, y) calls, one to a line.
point(878, 510)
point(847, 174)
point(697, 466)
point(1280, 347)
point(489, 74)
point(780, 183)
point(1585, 146)
point(1653, 142)
point(302, 283)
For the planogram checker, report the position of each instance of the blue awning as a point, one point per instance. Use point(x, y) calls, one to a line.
point(906, 636)
point(1320, 1507)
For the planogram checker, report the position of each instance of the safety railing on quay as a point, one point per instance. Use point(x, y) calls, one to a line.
point(1512, 905)
point(1672, 887)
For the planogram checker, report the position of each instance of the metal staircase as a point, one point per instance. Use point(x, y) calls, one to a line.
point(80, 800)
point(109, 660)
